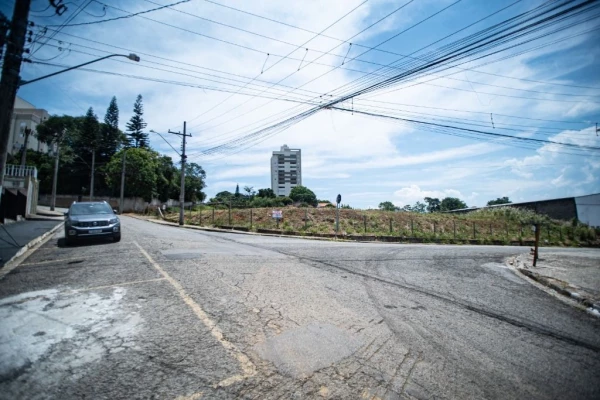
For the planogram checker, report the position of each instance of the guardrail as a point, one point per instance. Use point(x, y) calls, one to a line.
point(20, 171)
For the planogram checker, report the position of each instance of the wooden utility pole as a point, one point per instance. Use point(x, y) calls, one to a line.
point(9, 82)
point(55, 179)
point(122, 197)
point(183, 157)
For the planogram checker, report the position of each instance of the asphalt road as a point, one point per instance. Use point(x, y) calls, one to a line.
point(172, 313)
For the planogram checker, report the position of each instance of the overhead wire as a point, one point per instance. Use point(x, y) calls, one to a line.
point(465, 50)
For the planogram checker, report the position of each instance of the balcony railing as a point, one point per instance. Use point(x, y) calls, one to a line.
point(19, 171)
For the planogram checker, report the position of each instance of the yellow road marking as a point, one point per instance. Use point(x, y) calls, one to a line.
point(117, 285)
point(247, 366)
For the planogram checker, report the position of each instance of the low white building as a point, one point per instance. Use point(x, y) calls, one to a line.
point(25, 117)
point(286, 170)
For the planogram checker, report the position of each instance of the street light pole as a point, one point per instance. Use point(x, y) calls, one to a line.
point(132, 57)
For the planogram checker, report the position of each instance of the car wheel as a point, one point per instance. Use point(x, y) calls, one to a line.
point(117, 238)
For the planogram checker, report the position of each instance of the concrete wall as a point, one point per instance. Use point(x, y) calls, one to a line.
point(130, 204)
point(588, 209)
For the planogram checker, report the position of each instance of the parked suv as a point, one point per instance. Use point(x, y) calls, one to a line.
point(91, 219)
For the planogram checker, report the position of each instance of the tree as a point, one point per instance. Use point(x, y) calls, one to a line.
point(222, 197)
point(136, 125)
point(250, 191)
point(419, 207)
point(387, 206)
point(111, 136)
point(90, 135)
point(194, 182)
point(433, 204)
point(237, 190)
point(141, 176)
point(499, 200)
point(266, 193)
point(452, 203)
point(302, 194)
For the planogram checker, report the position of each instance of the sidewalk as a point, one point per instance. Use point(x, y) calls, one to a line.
point(573, 273)
point(16, 235)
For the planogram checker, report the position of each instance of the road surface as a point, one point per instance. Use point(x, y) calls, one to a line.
point(172, 313)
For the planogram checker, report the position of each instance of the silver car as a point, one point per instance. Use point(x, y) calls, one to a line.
point(91, 219)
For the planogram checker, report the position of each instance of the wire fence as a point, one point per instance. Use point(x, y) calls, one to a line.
point(311, 221)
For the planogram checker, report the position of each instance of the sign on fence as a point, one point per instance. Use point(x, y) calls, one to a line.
point(277, 214)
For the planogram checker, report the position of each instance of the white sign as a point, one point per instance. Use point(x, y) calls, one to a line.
point(278, 214)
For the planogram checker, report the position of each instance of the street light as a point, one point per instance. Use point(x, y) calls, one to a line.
point(131, 56)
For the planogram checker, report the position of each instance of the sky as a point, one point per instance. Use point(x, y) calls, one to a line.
point(229, 68)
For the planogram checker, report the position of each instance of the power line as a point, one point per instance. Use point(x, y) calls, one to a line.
point(123, 17)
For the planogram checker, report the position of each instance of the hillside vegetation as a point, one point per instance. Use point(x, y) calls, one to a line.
point(499, 225)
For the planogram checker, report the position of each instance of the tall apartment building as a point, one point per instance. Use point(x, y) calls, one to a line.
point(286, 170)
point(25, 116)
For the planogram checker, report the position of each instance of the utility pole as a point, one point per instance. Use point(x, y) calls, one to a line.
point(55, 179)
point(9, 82)
point(183, 157)
point(122, 197)
point(93, 173)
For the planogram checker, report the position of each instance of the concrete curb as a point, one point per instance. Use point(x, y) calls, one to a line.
point(14, 260)
point(202, 228)
point(591, 307)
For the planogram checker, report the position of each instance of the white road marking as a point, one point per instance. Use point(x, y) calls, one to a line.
point(247, 366)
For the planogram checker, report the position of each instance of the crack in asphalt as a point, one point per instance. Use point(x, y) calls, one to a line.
point(540, 330)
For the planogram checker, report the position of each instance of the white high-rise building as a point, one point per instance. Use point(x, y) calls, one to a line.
point(286, 170)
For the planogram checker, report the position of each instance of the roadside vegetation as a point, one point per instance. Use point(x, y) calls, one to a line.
point(502, 225)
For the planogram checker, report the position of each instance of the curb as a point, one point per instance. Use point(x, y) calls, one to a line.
point(591, 307)
point(14, 262)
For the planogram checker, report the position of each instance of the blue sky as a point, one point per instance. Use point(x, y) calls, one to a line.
point(550, 93)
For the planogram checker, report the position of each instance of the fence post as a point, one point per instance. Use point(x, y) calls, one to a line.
point(229, 214)
point(391, 228)
point(200, 217)
point(474, 233)
point(507, 234)
point(491, 231)
point(412, 227)
point(250, 219)
point(213, 217)
point(521, 230)
point(454, 227)
point(548, 229)
point(434, 229)
point(306, 218)
point(560, 233)
point(365, 222)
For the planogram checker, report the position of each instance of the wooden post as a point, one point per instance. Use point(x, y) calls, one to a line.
point(537, 243)
point(305, 218)
point(250, 219)
point(521, 230)
point(434, 229)
point(412, 227)
point(391, 228)
point(474, 233)
point(230, 213)
point(454, 226)
point(200, 217)
point(560, 233)
point(213, 215)
point(491, 231)
point(507, 234)
point(365, 222)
